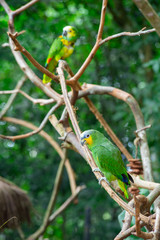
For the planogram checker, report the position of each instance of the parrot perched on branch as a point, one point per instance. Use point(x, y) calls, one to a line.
point(108, 158)
point(61, 48)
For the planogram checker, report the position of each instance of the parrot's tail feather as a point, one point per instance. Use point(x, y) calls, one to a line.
point(46, 79)
point(123, 188)
point(125, 179)
point(130, 178)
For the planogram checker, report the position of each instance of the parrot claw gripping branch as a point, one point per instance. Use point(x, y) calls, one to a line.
point(65, 130)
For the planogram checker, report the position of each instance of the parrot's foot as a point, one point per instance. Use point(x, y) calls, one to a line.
point(48, 84)
point(103, 178)
point(96, 170)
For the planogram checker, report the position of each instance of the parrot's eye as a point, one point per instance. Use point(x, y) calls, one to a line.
point(87, 135)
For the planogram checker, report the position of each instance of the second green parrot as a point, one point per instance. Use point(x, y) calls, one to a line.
point(108, 158)
point(61, 48)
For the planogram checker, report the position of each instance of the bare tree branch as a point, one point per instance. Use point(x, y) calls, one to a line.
point(59, 211)
point(144, 184)
point(94, 49)
point(157, 223)
point(102, 20)
point(52, 201)
point(24, 7)
point(30, 58)
point(126, 222)
point(12, 97)
point(89, 157)
point(43, 123)
point(6, 7)
point(33, 100)
point(54, 144)
point(98, 116)
point(89, 89)
point(130, 34)
point(139, 233)
point(66, 203)
point(128, 232)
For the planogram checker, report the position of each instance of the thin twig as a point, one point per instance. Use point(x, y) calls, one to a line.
point(33, 100)
point(52, 142)
point(102, 20)
point(74, 79)
point(144, 128)
point(24, 7)
point(66, 203)
point(131, 34)
point(12, 97)
point(43, 123)
point(61, 209)
point(52, 201)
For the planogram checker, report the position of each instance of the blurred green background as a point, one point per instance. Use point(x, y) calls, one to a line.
point(129, 63)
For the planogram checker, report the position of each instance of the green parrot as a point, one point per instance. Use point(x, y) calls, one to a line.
point(108, 158)
point(62, 47)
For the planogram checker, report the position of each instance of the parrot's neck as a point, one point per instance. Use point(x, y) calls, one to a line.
point(67, 42)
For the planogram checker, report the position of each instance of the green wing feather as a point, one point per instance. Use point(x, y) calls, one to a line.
point(108, 159)
point(54, 56)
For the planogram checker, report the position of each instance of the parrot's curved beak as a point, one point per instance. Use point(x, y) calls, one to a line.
point(64, 33)
point(83, 141)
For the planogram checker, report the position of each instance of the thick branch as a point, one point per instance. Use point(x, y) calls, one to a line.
point(153, 195)
point(30, 58)
point(99, 117)
point(6, 7)
point(157, 223)
point(144, 184)
point(67, 135)
point(89, 157)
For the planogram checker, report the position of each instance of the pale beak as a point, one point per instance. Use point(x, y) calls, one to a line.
point(64, 33)
point(83, 141)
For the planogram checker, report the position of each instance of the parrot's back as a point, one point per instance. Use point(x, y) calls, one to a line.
point(60, 49)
